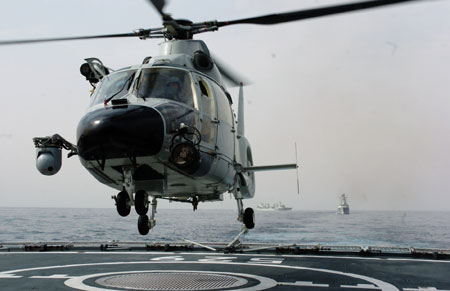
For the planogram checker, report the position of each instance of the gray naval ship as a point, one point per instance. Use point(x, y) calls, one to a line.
point(196, 266)
point(343, 207)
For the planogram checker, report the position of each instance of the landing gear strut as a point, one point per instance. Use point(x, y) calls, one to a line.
point(124, 201)
point(247, 217)
point(195, 203)
point(128, 183)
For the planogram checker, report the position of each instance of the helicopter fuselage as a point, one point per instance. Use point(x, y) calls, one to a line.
point(169, 121)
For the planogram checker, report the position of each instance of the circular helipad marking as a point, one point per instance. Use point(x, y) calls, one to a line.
point(262, 284)
point(172, 281)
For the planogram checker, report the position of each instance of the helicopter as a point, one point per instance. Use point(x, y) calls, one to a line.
point(164, 129)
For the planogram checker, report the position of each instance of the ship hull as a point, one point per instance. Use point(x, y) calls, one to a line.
point(282, 209)
point(343, 210)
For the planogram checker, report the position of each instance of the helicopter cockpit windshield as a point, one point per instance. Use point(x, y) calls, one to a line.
point(113, 86)
point(166, 83)
point(170, 84)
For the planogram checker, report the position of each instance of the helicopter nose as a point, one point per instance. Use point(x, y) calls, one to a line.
point(110, 133)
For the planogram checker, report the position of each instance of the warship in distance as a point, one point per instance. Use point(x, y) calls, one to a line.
point(274, 207)
point(343, 207)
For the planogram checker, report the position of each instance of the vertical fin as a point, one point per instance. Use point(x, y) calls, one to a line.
point(241, 126)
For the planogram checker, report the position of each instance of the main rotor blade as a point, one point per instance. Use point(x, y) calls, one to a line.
point(25, 41)
point(230, 76)
point(159, 5)
point(311, 13)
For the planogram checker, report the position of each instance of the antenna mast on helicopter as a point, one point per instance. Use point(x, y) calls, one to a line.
point(241, 124)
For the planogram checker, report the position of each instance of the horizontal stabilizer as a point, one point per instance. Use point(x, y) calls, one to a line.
point(270, 168)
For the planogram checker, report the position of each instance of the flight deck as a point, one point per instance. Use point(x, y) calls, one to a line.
point(192, 266)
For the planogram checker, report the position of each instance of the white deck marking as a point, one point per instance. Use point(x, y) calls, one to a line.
point(169, 258)
point(9, 276)
point(361, 286)
point(54, 276)
point(217, 259)
point(266, 261)
point(303, 284)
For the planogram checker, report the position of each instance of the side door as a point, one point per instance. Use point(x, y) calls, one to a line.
point(225, 131)
point(208, 115)
point(216, 135)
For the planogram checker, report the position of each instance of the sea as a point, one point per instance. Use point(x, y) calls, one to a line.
point(361, 228)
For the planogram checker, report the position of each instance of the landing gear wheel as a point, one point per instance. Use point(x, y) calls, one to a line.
point(249, 218)
point(140, 202)
point(143, 224)
point(123, 203)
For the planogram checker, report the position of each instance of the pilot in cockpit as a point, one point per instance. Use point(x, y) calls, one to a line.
point(173, 89)
point(165, 84)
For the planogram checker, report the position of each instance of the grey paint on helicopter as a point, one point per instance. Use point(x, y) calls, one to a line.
point(369, 120)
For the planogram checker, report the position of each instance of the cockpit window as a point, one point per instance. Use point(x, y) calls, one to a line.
point(207, 98)
point(113, 86)
point(165, 83)
point(204, 88)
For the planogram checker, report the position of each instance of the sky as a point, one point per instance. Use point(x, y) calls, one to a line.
point(364, 95)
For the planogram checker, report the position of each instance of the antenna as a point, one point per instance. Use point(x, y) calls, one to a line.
point(296, 169)
point(241, 125)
